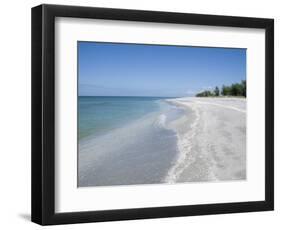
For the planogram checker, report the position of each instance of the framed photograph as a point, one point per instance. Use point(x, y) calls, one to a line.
point(142, 114)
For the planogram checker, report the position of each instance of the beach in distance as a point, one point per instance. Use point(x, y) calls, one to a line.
point(160, 114)
point(154, 140)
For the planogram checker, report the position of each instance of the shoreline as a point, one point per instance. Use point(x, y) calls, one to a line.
point(186, 130)
point(144, 144)
point(204, 149)
point(203, 135)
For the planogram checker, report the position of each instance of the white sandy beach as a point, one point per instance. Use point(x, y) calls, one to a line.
point(189, 140)
point(212, 140)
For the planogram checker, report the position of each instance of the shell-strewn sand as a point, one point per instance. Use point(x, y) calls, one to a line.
point(214, 146)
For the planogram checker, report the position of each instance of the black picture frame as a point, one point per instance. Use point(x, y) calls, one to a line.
point(43, 114)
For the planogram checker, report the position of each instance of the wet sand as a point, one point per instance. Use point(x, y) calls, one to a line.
point(213, 145)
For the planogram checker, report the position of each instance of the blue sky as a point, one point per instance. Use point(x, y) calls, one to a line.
point(116, 69)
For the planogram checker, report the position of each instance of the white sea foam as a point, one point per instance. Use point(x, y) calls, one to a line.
point(161, 121)
point(138, 153)
point(185, 157)
point(207, 142)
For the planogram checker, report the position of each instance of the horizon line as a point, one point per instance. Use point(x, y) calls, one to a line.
point(126, 96)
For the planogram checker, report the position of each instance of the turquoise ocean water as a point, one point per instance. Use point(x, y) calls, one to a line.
point(98, 115)
point(125, 140)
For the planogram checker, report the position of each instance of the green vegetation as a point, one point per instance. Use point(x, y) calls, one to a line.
point(237, 89)
point(217, 91)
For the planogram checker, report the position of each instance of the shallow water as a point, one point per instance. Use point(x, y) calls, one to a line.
point(124, 141)
point(99, 115)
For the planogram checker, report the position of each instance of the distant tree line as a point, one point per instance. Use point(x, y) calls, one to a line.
point(237, 89)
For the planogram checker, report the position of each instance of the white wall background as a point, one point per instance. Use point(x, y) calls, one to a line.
point(15, 114)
